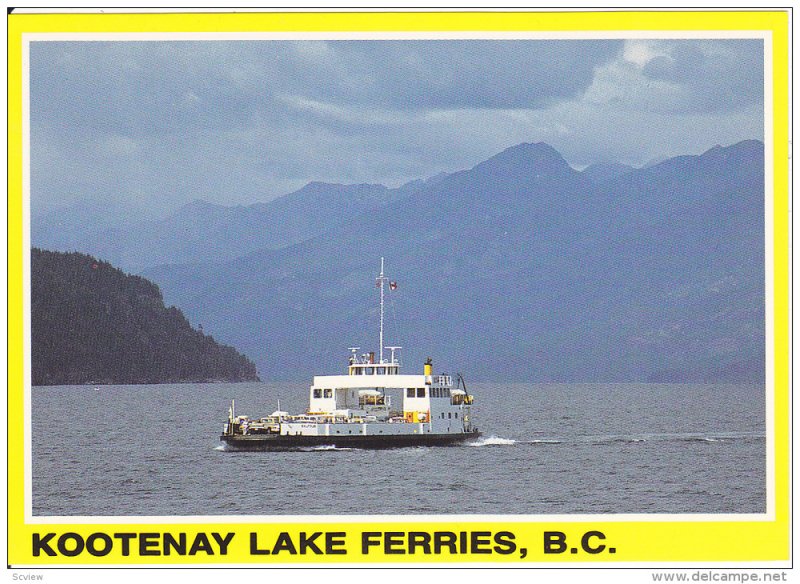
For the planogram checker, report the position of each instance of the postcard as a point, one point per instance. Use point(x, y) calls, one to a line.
point(501, 289)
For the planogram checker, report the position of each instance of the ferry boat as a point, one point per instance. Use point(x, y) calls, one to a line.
point(373, 405)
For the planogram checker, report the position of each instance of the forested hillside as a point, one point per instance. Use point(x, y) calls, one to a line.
point(92, 323)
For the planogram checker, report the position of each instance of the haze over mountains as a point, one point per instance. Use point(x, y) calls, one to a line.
point(518, 269)
point(202, 231)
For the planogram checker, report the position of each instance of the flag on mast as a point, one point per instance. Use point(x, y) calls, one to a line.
point(392, 285)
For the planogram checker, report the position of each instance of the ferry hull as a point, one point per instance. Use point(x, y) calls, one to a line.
point(262, 442)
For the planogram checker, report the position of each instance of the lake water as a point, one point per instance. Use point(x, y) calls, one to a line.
point(546, 449)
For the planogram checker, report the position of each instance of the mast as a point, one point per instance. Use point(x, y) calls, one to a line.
point(381, 279)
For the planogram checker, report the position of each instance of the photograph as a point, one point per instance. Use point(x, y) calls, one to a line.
point(574, 226)
point(380, 276)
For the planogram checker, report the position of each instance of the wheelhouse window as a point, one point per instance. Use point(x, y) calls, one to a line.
point(328, 393)
point(420, 392)
point(317, 393)
point(410, 392)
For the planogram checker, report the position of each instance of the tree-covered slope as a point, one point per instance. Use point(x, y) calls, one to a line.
point(90, 322)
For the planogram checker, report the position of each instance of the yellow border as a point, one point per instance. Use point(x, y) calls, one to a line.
point(634, 541)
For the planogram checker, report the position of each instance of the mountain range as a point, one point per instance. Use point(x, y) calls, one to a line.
point(202, 231)
point(518, 269)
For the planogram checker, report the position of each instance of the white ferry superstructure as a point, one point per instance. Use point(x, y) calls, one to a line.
point(356, 410)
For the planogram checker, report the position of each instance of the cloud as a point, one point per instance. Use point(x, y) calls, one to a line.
point(141, 87)
point(163, 123)
point(682, 77)
point(468, 74)
point(116, 146)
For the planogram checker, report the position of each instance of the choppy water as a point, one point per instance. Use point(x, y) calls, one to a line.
point(553, 448)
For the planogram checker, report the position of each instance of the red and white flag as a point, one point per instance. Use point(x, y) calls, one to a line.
point(392, 285)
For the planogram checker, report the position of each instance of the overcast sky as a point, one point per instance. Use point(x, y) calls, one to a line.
point(159, 124)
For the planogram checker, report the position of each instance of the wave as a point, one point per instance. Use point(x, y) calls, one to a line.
point(543, 441)
point(662, 437)
point(625, 439)
point(723, 437)
point(322, 448)
point(493, 441)
point(682, 437)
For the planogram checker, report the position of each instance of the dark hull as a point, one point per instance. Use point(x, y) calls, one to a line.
point(277, 442)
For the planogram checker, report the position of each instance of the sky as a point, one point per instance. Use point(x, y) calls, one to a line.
point(154, 125)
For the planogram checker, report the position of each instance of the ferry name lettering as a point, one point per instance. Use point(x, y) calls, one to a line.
point(285, 543)
point(555, 542)
point(440, 542)
point(98, 544)
point(304, 543)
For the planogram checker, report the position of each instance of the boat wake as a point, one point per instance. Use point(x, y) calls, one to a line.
point(721, 437)
point(673, 437)
point(493, 441)
point(707, 439)
point(322, 448)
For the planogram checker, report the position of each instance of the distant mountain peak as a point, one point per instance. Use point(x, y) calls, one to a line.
point(317, 185)
point(655, 161)
point(602, 171)
point(531, 150)
point(717, 153)
point(743, 147)
point(436, 178)
point(200, 205)
point(539, 155)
